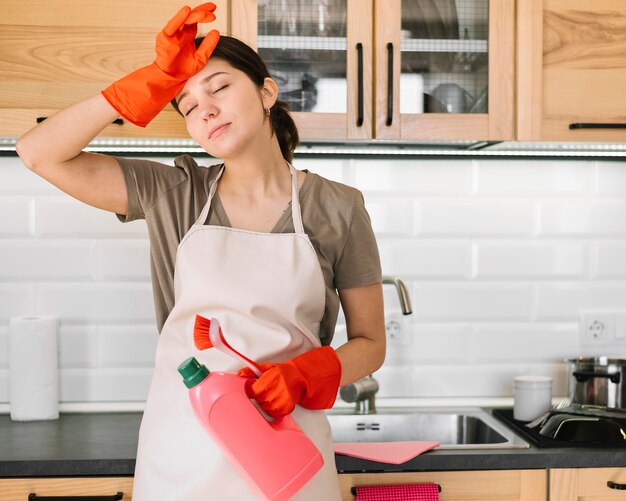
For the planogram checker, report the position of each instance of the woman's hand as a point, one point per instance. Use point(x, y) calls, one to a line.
point(142, 94)
point(310, 380)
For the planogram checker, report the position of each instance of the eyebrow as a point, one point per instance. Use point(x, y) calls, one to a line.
point(205, 80)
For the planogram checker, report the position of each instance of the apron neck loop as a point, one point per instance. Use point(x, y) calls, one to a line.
point(296, 213)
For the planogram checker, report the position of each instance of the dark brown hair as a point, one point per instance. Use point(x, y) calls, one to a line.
point(244, 58)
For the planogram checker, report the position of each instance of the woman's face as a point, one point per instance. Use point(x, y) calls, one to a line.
point(223, 108)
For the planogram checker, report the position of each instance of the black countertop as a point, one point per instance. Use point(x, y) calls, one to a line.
point(105, 444)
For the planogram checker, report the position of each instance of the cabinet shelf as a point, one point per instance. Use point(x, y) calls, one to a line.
point(445, 45)
point(301, 43)
point(340, 44)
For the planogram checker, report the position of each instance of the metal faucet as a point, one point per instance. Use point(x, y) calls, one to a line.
point(403, 293)
point(363, 391)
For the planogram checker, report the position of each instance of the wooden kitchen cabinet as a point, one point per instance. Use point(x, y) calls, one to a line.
point(18, 489)
point(370, 69)
point(587, 484)
point(571, 67)
point(56, 52)
point(500, 485)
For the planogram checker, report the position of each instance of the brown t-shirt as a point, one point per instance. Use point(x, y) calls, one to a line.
point(171, 199)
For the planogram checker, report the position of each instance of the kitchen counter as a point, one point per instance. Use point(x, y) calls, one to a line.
point(86, 444)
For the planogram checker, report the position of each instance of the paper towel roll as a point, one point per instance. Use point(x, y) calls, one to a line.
point(33, 368)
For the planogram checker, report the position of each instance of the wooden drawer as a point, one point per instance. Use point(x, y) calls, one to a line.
point(18, 489)
point(586, 484)
point(501, 485)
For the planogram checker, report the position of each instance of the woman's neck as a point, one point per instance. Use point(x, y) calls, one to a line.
point(256, 175)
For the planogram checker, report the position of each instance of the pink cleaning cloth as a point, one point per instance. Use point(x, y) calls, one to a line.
point(384, 452)
point(409, 492)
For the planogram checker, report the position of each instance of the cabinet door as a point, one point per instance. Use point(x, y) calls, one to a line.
point(445, 69)
point(320, 54)
point(55, 53)
point(501, 485)
point(587, 484)
point(18, 489)
point(571, 70)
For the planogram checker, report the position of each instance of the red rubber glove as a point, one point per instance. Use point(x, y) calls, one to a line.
point(310, 379)
point(142, 94)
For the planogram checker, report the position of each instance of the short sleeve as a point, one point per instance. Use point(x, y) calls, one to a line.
point(359, 261)
point(146, 182)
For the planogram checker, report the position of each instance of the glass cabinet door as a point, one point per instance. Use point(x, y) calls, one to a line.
point(443, 59)
point(313, 52)
point(439, 58)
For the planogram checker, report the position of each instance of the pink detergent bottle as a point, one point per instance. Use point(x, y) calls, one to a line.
point(274, 456)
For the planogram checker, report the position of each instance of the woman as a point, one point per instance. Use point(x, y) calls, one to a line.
point(270, 251)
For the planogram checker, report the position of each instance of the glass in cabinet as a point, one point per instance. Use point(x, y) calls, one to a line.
point(422, 70)
point(320, 54)
point(445, 69)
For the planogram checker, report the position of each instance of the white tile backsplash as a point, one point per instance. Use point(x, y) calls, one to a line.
point(465, 301)
point(608, 260)
point(393, 216)
point(427, 259)
point(523, 178)
point(97, 302)
point(611, 179)
point(563, 301)
point(375, 176)
point(500, 256)
point(16, 214)
point(474, 217)
point(530, 260)
point(65, 217)
point(42, 260)
point(585, 218)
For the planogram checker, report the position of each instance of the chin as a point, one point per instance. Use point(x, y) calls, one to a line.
point(219, 151)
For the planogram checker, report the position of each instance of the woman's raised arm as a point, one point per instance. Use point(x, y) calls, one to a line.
point(54, 150)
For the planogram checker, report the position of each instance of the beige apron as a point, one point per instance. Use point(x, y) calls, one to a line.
point(267, 291)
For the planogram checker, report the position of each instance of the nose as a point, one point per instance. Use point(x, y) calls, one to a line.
point(209, 111)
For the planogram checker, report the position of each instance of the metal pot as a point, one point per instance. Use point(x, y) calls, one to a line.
point(597, 381)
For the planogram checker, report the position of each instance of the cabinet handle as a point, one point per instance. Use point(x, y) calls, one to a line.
point(359, 59)
point(117, 121)
point(618, 487)
point(115, 497)
point(596, 126)
point(389, 84)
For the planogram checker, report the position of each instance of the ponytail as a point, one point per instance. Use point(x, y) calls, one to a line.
point(285, 129)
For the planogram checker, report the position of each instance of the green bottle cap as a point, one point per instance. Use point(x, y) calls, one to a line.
point(193, 372)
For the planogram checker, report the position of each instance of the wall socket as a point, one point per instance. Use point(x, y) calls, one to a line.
point(398, 331)
point(607, 328)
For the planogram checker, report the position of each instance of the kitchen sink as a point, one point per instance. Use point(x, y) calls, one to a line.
point(453, 428)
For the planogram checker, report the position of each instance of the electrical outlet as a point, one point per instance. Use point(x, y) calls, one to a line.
point(397, 330)
point(602, 328)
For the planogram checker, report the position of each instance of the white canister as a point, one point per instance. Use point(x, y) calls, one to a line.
point(533, 397)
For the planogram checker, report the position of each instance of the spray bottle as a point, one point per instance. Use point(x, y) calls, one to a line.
point(275, 457)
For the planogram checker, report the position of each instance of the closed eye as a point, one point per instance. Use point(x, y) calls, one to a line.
point(190, 110)
point(221, 88)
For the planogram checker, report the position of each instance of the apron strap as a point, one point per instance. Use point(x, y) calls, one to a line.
point(296, 213)
point(205, 210)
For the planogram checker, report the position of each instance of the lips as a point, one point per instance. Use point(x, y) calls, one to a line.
point(217, 130)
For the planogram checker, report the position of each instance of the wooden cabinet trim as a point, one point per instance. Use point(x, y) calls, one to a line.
point(501, 70)
point(529, 60)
